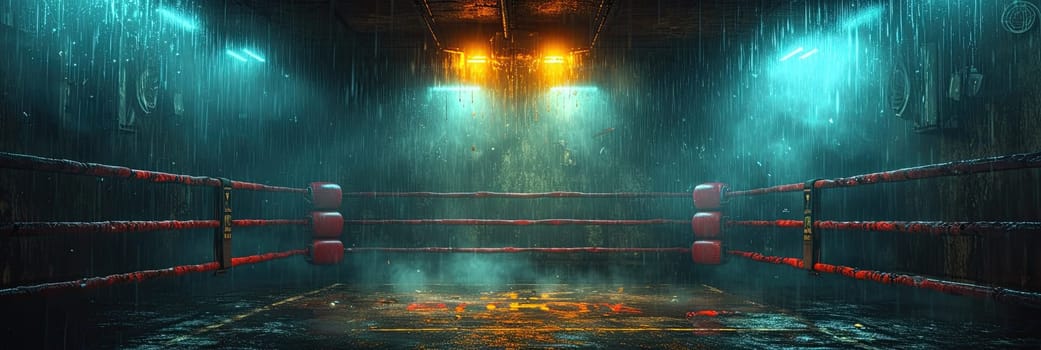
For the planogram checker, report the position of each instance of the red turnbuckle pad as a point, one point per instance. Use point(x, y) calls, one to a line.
point(326, 224)
point(325, 195)
point(707, 225)
point(707, 252)
point(710, 195)
point(326, 252)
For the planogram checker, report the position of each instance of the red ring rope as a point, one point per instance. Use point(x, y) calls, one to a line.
point(65, 166)
point(949, 287)
point(94, 282)
point(514, 222)
point(925, 227)
point(484, 194)
point(956, 168)
point(39, 228)
point(518, 250)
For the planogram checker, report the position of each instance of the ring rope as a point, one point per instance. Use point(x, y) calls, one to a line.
point(41, 228)
point(65, 166)
point(518, 250)
point(485, 194)
point(138, 276)
point(949, 287)
point(957, 228)
point(956, 168)
point(522, 222)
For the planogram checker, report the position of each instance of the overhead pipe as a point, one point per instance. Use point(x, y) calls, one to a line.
point(601, 19)
point(505, 19)
point(428, 19)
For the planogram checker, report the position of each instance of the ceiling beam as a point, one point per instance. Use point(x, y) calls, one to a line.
point(600, 19)
point(505, 19)
point(428, 17)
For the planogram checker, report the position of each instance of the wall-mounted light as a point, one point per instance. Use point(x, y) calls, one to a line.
point(477, 60)
point(178, 19)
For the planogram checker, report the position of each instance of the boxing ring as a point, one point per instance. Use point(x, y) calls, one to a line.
point(710, 232)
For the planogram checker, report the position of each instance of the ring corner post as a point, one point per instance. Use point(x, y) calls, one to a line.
point(811, 247)
point(222, 235)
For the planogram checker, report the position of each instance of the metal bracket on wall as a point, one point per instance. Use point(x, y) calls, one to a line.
point(222, 236)
point(811, 250)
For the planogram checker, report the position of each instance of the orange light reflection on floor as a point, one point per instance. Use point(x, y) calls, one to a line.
point(560, 308)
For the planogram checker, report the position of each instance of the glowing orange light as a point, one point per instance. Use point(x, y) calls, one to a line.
point(477, 60)
point(426, 307)
point(567, 309)
point(553, 59)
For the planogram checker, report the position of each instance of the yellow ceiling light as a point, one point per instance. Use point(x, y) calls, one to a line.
point(553, 59)
point(479, 59)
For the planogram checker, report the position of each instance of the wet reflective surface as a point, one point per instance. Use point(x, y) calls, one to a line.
point(531, 316)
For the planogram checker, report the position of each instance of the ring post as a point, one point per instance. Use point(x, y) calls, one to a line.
point(222, 235)
point(811, 249)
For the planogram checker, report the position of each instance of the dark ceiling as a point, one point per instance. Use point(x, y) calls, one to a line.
point(575, 23)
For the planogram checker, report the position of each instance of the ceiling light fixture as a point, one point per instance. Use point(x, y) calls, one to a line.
point(235, 55)
point(254, 55)
point(791, 54)
point(808, 54)
point(573, 88)
point(451, 88)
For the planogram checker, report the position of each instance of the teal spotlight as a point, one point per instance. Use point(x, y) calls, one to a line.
point(178, 19)
point(254, 55)
point(236, 55)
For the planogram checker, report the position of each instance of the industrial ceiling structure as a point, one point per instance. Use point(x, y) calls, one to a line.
point(505, 42)
point(578, 24)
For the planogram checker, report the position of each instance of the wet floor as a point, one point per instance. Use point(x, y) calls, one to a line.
point(528, 316)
